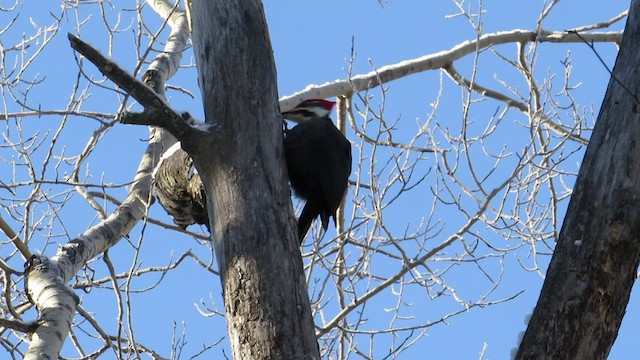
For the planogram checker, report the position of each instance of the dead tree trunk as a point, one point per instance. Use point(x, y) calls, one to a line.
point(242, 168)
point(594, 265)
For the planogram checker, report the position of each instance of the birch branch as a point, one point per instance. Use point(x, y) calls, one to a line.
point(46, 278)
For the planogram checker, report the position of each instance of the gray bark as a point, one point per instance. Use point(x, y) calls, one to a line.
point(593, 268)
point(242, 168)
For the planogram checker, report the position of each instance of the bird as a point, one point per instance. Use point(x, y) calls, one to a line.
point(179, 189)
point(318, 159)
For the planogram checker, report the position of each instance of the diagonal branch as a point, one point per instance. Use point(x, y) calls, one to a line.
point(137, 89)
point(474, 86)
point(156, 110)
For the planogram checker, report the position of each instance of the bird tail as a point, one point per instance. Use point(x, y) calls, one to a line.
point(309, 213)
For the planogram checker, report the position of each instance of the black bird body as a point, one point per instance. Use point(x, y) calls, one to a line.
point(318, 158)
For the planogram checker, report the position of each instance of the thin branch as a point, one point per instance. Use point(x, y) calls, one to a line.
point(601, 25)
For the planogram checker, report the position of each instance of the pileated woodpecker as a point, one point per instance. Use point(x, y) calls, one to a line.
point(318, 160)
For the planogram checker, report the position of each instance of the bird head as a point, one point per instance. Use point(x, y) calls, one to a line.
point(309, 109)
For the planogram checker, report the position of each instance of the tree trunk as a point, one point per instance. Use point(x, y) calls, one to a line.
point(593, 268)
point(242, 168)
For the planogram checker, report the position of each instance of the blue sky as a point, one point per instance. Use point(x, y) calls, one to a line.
point(406, 29)
point(312, 41)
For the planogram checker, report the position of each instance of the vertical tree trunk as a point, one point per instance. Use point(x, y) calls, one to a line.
point(594, 265)
point(242, 169)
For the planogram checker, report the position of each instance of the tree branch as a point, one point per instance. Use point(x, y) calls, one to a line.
point(474, 86)
point(438, 60)
point(15, 239)
point(46, 278)
point(156, 111)
point(137, 89)
point(25, 327)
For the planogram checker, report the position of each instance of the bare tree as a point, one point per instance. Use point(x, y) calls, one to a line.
point(490, 189)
